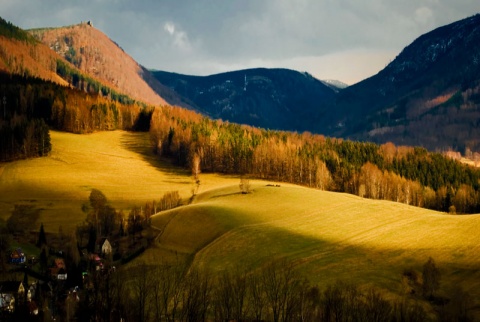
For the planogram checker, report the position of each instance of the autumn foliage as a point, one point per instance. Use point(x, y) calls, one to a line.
point(403, 174)
point(30, 106)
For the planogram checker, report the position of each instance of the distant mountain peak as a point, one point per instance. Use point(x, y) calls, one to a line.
point(335, 84)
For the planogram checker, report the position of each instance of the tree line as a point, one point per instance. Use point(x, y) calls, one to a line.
point(405, 174)
point(274, 292)
point(87, 84)
point(30, 106)
point(9, 30)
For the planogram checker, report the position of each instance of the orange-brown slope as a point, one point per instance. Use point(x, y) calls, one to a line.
point(28, 58)
point(95, 54)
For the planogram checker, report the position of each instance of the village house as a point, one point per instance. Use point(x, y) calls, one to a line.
point(106, 247)
point(17, 256)
point(59, 271)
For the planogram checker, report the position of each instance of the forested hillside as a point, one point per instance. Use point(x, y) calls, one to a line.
point(404, 174)
point(21, 54)
point(429, 95)
point(30, 106)
point(275, 98)
point(34, 97)
point(94, 54)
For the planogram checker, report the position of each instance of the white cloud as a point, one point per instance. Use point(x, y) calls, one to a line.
point(169, 27)
point(179, 37)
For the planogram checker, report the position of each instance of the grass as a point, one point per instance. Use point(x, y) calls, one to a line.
point(329, 236)
point(118, 163)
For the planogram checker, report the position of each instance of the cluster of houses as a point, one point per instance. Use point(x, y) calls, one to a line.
point(13, 293)
point(16, 293)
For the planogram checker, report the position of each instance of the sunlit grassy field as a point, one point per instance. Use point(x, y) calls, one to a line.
point(329, 236)
point(120, 164)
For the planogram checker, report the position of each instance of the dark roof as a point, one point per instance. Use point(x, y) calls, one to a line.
point(16, 253)
point(101, 240)
point(9, 286)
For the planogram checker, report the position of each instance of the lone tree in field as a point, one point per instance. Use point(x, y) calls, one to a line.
point(196, 173)
point(97, 199)
point(244, 185)
point(431, 278)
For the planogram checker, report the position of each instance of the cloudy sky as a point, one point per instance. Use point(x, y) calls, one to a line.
point(347, 40)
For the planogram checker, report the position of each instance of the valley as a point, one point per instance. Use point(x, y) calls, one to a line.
point(266, 178)
point(328, 237)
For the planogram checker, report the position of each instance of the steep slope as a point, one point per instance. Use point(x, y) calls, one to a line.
point(269, 98)
point(429, 95)
point(21, 54)
point(95, 54)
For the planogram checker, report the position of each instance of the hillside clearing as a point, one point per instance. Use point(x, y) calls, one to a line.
point(329, 236)
point(120, 164)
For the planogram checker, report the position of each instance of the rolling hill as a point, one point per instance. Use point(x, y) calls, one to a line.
point(279, 99)
point(331, 237)
point(121, 164)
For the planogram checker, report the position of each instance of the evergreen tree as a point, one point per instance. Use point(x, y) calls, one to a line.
point(92, 239)
point(43, 261)
point(42, 239)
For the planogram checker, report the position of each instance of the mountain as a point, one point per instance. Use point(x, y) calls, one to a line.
point(336, 85)
point(429, 95)
point(23, 55)
point(96, 55)
point(269, 98)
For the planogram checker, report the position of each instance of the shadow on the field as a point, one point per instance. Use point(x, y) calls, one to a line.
point(139, 142)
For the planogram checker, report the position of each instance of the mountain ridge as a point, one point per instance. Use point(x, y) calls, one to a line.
point(21, 54)
point(435, 74)
point(92, 52)
point(429, 95)
point(274, 98)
